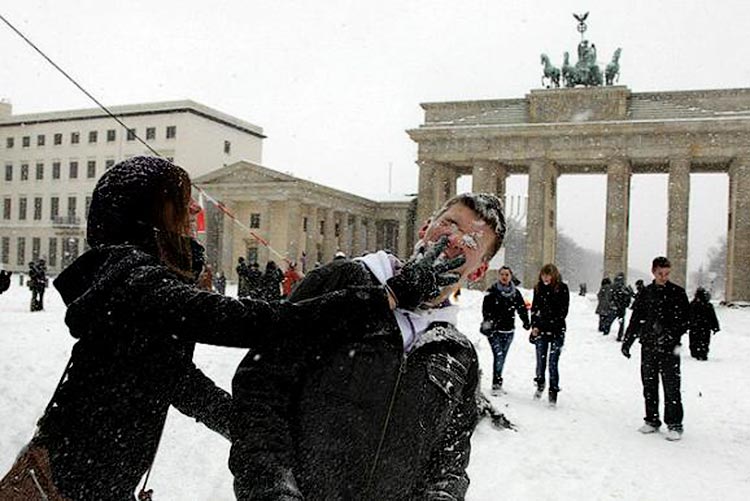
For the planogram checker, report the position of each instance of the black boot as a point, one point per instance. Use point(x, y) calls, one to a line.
point(497, 385)
point(539, 389)
point(553, 396)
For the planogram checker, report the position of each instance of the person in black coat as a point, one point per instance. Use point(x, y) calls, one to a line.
point(37, 283)
point(136, 314)
point(604, 306)
point(548, 312)
point(703, 323)
point(243, 285)
point(270, 282)
point(622, 294)
point(382, 414)
point(660, 318)
point(499, 308)
point(4, 280)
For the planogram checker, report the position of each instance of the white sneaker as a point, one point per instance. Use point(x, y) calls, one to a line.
point(673, 435)
point(647, 428)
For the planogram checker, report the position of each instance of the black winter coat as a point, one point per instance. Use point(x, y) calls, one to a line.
point(499, 311)
point(137, 323)
point(550, 308)
point(703, 317)
point(660, 317)
point(308, 419)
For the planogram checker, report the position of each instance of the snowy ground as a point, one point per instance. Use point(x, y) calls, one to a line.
point(586, 449)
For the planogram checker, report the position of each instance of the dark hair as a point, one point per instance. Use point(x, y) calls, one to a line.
point(505, 267)
point(660, 262)
point(606, 281)
point(144, 201)
point(488, 207)
point(551, 270)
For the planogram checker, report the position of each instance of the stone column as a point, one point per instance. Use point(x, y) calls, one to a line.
point(228, 259)
point(294, 230)
point(403, 251)
point(357, 237)
point(345, 240)
point(330, 242)
point(311, 213)
point(618, 216)
point(371, 235)
point(264, 232)
point(426, 196)
point(541, 220)
point(738, 236)
point(452, 180)
point(489, 176)
point(677, 218)
point(441, 185)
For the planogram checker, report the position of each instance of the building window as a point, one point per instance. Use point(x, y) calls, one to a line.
point(6, 208)
point(73, 171)
point(21, 254)
point(26, 141)
point(109, 163)
point(9, 172)
point(111, 135)
point(6, 250)
point(337, 230)
point(304, 224)
point(39, 171)
point(37, 208)
point(131, 134)
point(22, 208)
point(171, 131)
point(54, 208)
point(91, 169)
point(72, 208)
point(57, 139)
point(150, 132)
point(55, 170)
point(227, 147)
point(24, 172)
point(40, 140)
point(36, 248)
point(93, 136)
point(88, 205)
point(255, 220)
point(75, 137)
point(10, 142)
point(52, 254)
point(322, 227)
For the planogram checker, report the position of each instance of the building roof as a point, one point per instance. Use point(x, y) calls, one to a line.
point(183, 106)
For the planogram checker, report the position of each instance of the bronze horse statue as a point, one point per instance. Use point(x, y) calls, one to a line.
point(550, 72)
point(612, 72)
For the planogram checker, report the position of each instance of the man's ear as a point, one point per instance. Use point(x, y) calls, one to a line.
point(423, 229)
point(477, 274)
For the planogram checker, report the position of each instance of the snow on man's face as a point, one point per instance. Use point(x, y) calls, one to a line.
point(468, 235)
point(661, 275)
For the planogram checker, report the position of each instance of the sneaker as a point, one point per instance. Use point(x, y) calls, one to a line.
point(648, 428)
point(673, 435)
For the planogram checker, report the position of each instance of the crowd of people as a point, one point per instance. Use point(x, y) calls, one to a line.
point(357, 383)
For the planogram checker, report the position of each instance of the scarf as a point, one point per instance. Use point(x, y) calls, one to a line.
point(412, 324)
point(507, 291)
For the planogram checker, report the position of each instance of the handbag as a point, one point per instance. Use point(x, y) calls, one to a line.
point(30, 478)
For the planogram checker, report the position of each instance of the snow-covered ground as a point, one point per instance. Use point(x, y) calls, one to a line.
point(585, 449)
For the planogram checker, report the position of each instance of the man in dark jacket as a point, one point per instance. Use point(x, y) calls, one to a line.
point(4, 281)
point(660, 318)
point(621, 297)
point(243, 285)
point(384, 413)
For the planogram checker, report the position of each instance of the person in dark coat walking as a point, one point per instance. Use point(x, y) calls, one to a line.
point(621, 297)
point(270, 283)
point(660, 318)
point(386, 413)
point(604, 305)
point(255, 280)
point(4, 280)
point(243, 280)
point(136, 314)
point(703, 323)
point(638, 289)
point(37, 283)
point(548, 312)
point(220, 283)
point(501, 303)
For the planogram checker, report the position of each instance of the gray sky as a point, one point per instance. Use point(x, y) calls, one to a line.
point(336, 83)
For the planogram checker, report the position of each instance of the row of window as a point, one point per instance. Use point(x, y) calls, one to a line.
point(23, 171)
point(93, 137)
point(71, 217)
point(68, 246)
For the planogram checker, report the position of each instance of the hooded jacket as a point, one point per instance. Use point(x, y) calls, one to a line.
point(308, 418)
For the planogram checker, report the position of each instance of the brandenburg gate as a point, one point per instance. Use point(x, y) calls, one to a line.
point(608, 130)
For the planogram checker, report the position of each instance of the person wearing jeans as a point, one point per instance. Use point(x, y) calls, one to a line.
point(548, 312)
point(499, 308)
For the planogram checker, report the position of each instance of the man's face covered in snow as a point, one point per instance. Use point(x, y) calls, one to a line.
point(468, 235)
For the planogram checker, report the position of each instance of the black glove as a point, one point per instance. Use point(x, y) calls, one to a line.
point(526, 327)
point(625, 349)
point(421, 278)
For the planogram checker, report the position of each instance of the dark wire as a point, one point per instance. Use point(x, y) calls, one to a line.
point(72, 80)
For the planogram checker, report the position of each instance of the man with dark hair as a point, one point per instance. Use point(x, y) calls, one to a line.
point(660, 318)
point(384, 413)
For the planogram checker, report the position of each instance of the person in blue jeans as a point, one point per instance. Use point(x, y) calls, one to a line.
point(501, 303)
point(548, 312)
